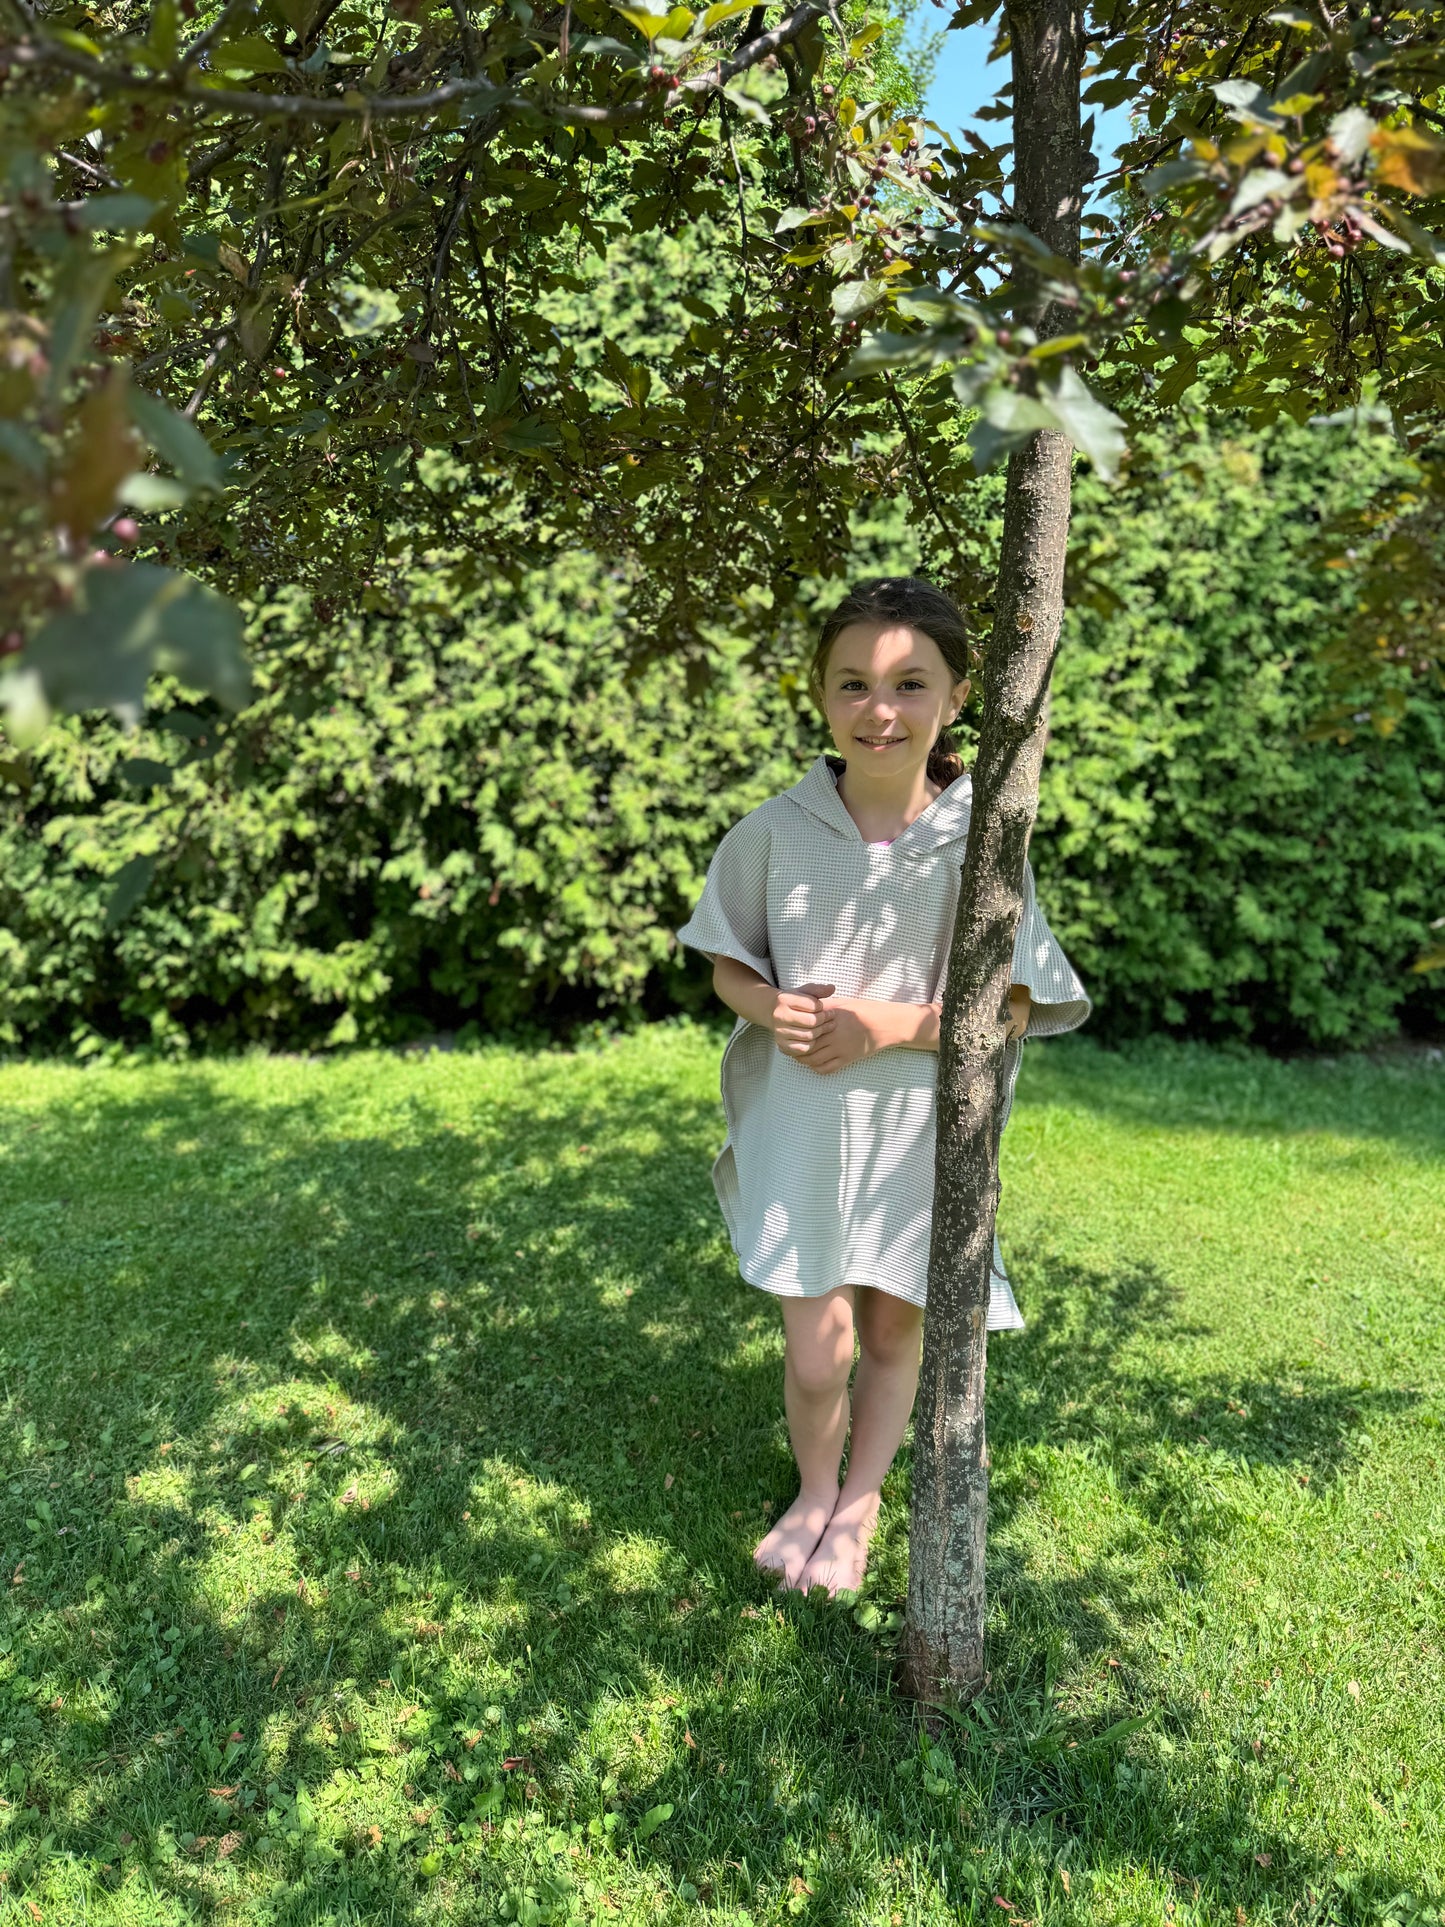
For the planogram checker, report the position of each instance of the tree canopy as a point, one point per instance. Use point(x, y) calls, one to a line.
point(262, 261)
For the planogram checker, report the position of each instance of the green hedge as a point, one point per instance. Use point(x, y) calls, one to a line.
point(477, 817)
point(1211, 870)
point(472, 816)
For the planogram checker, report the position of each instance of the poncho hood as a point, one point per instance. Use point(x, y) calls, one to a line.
point(944, 821)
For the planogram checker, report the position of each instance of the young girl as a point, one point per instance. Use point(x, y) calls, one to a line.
point(827, 914)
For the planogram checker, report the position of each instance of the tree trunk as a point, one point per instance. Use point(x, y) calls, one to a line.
point(943, 1652)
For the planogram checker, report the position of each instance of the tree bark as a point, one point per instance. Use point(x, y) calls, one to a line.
point(943, 1647)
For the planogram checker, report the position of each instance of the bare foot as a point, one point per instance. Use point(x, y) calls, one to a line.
point(840, 1557)
point(786, 1548)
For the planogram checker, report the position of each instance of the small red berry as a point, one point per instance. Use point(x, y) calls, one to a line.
point(127, 529)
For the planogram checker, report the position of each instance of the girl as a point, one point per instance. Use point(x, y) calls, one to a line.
point(827, 915)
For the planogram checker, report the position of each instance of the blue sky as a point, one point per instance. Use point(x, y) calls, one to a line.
point(964, 82)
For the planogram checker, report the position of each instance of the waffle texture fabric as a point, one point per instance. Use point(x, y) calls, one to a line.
point(828, 1180)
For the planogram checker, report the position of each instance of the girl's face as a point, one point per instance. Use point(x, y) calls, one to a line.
point(887, 692)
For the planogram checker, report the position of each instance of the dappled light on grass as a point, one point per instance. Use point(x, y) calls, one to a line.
point(389, 1437)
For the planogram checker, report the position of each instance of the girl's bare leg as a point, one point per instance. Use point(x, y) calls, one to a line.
point(816, 1363)
point(889, 1334)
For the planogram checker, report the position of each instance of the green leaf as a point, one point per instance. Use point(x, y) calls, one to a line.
point(802, 217)
point(150, 493)
point(116, 210)
point(1006, 418)
point(603, 44)
point(126, 623)
point(184, 723)
point(1427, 245)
point(18, 445)
point(1057, 345)
point(652, 1820)
point(529, 435)
point(1350, 133)
point(853, 298)
point(82, 290)
point(749, 108)
point(1111, 92)
point(252, 53)
point(129, 885)
point(649, 25)
point(1248, 99)
point(176, 440)
point(164, 40)
point(144, 773)
point(1094, 429)
point(716, 14)
point(1260, 184)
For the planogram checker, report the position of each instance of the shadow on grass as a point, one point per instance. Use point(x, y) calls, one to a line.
point(509, 1423)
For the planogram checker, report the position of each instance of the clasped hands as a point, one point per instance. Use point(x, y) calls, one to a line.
point(826, 1032)
point(821, 1030)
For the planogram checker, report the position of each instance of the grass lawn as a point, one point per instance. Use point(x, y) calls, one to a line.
point(385, 1440)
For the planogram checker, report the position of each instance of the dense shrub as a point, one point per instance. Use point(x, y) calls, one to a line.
point(436, 819)
point(476, 815)
point(1211, 869)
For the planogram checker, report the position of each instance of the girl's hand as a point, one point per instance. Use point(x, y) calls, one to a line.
point(1019, 1003)
point(853, 1028)
point(799, 1020)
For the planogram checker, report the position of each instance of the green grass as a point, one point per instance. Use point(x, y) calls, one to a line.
point(371, 1424)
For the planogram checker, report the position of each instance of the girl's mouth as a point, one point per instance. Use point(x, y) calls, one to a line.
point(880, 742)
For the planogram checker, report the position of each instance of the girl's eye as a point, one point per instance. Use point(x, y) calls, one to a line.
point(910, 685)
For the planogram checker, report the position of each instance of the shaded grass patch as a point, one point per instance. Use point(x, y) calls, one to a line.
point(387, 1438)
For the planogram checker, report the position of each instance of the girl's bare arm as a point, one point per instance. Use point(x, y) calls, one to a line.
point(812, 1024)
point(797, 1018)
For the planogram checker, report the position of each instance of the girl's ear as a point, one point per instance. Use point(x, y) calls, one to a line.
point(960, 697)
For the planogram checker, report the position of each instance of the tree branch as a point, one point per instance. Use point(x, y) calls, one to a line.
point(320, 107)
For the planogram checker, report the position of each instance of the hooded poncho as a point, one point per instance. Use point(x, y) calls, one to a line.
point(828, 1180)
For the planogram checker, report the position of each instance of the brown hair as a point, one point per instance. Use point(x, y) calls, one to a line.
point(902, 598)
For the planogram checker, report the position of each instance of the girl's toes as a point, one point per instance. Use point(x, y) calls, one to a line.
point(784, 1555)
point(838, 1564)
point(785, 1550)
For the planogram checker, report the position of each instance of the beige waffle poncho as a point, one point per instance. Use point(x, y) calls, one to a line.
point(828, 1180)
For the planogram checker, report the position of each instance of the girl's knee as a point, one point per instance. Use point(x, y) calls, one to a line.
point(820, 1345)
point(890, 1330)
point(819, 1369)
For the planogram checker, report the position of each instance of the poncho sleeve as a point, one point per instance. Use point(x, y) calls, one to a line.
point(1059, 1000)
point(731, 918)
